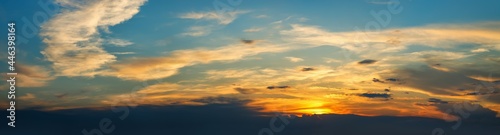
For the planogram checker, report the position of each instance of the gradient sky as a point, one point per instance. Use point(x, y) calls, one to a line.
point(425, 58)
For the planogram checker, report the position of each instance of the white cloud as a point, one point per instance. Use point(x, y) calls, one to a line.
point(196, 31)
point(123, 53)
point(223, 19)
point(294, 59)
point(119, 42)
point(262, 16)
point(479, 50)
point(331, 60)
point(393, 39)
point(72, 36)
point(253, 30)
point(281, 21)
point(439, 55)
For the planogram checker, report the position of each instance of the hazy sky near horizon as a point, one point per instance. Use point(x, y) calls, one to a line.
point(363, 57)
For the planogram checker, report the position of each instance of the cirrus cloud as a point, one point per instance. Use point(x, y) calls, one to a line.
point(76, 48)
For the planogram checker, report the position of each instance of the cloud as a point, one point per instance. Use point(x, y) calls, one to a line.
point(436, 56)
point(367, 61)
point(159, 88)
point(392, 79)
point(123, 53)
point(247, 41)
point(331, 60)
point(32, 76)
point(303, 19)
point(443, 36)
point(432, 80)
point(383, 2)
point(252, 30)
point(161, 67)
point(223, 19)
point(278, 87)
point(72, 36)
point(307, 69)
point(232, 73)
point(247, 90)
point(294, 59)
point(262, 16)
point(119, 42)
point(196, 31)
point(475, 112)
point(479, 50)
point(61, 95)
point(375, 95)
point(28, 96)
point(219, 100)
point(437, 101)
point(377, 80)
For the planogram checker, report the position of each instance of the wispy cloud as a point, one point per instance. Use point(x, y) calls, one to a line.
point(122, 53)
point(294, 59)
point(443, 35)
point(28, 96)
point(161, 67)
point(119, 42)
point(253, 30)
point(262, 16)
point(479, 50)
point(72, 36)
point(33, 76)
point(196, 31)
point(382, 2)
point(223, 19)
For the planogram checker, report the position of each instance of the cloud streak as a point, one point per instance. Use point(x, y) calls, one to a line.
point(222, 19)
point(443, 35)
point(161, 67)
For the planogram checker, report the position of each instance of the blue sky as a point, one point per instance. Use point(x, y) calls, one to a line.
point(92, 54)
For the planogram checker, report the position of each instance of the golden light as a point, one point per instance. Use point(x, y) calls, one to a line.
point(315, 111)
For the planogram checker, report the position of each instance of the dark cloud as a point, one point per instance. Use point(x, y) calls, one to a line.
point(495, 98)
point(375, 95)
point(437, 101)
point(476, 93)
point(278, 87)
point(432, 80)
point(392, 79)
point(307, 69)
point(387, 90)
point(219, 100)
point(496, 82)
point(63, 95)
point(367, 61)
point(247, 41)
point(377, 80)
point(467, 111)
point(246, 90)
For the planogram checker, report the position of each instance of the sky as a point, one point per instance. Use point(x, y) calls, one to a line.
point(426, 59)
